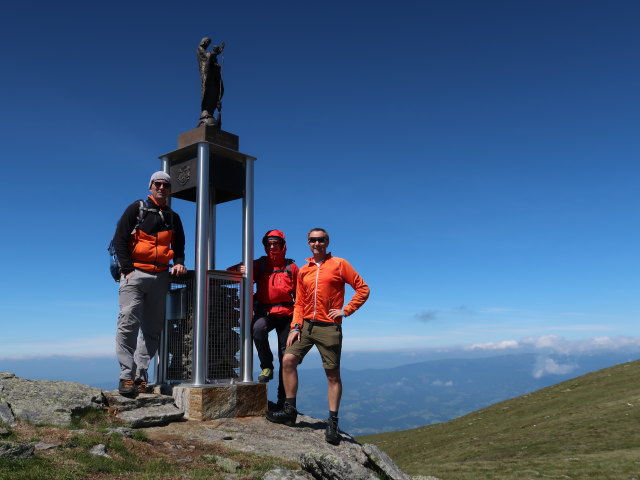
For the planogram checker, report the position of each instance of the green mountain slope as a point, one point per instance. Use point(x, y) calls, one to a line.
point(584, 428)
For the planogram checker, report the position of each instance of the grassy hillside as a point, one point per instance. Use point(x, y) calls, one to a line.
point(584, 428)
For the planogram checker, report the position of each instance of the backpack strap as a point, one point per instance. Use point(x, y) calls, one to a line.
point(262, 267)
point(142, 212)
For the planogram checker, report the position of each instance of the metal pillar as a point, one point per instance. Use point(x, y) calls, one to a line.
point(247, 281)
point(161, 358)
point(199, 374)
point(211, 262)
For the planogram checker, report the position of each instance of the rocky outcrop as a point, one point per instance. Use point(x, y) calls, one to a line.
point(284, 474)
point(332, 467)
point(43, 401)
point(303, 444)
point(146, 410)
point(16, 451)
point(381, 462)
point(46, 402)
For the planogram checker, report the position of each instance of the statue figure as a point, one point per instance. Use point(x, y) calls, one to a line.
point(212, 88)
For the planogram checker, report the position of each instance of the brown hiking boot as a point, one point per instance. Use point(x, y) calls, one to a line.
point(126, 388)
point(141, 386)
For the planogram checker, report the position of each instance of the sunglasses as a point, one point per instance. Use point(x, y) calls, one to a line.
point(317, 239)
point(162, 184)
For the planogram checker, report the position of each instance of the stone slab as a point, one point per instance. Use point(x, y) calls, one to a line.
point(151, 416)
point(221, 401)
point(207, 133)
point(120, 403)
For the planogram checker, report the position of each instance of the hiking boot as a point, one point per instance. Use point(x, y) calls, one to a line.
point(141, 386)
point(126, 388)
point(265, 375)
point(287, 416)
point(331, 434)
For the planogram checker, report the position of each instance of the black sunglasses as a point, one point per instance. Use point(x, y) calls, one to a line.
point(162, 184)
point(317, 239)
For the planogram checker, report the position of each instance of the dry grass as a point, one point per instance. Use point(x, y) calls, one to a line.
point(132, 458)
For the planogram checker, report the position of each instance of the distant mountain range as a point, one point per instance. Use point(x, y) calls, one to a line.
point(585, 428)
point(382, 399)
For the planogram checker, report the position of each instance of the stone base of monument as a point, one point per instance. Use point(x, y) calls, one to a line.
point(220, 400)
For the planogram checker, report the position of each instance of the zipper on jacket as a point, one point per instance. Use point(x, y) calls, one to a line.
point(315, 292)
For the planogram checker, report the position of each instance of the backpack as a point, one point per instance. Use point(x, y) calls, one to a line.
point(259, 308)
point(262, 267)
point(114, 264)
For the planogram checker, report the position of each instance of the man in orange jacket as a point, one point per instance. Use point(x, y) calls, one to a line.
point(148, 237)
point(317, 320)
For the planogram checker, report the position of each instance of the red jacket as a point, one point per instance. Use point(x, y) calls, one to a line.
point(321, 288)
point(276, 284)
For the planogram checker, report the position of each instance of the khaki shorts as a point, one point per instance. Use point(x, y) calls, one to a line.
point(326, 336)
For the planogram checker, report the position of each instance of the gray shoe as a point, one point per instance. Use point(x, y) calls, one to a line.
point(287, 416)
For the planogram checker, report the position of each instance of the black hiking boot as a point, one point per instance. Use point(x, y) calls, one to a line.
point(287, 416)
point(331, 434)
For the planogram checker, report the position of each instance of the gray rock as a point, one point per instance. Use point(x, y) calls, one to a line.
point(116, 401)
point(4, 432)
point(16, 451)
point(226, 464)
point(46, 402)
point(284, 474)
point(6, 415)
point(151, 416)
point(124, 431)
point(99, 451)
point(45, 446)
point(330, 467)
point(383, 463)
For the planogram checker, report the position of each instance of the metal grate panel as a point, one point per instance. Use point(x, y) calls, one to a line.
point(224, 305)
point(223, 329)
point(179, 329)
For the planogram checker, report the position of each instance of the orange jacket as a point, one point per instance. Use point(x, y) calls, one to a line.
point(156, 241)
point(321, 288)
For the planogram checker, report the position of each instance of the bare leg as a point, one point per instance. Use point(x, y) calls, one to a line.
point(334, 390)
point(290, 374)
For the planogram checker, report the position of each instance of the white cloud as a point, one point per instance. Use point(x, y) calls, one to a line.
point(503, 345)
point(98, 346)
point(440, 383)
point(558, 344)
point(548, 366)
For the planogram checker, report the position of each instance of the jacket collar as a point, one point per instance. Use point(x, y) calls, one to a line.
point(313, 262)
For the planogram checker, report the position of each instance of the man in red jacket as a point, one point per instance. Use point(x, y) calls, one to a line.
point(276, 278)
point(317, 320)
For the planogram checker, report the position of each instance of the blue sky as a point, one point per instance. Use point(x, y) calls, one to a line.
point(477, 162)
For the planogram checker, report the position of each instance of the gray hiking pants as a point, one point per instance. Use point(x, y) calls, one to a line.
point(142, 310)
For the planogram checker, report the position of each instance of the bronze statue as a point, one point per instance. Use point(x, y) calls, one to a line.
point(212, 88)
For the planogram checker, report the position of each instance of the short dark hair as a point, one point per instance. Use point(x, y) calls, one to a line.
point(318, 229)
